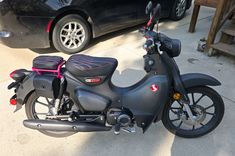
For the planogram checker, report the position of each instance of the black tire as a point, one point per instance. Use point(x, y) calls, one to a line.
point(174, 15)
point(56, 35)
point(29, 113)
point(205, 129)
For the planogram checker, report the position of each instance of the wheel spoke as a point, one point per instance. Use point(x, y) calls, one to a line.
point(75, 44)
point(70, 43)
point(183, 1)
point(174, 112)
point(210, 113)
point(42, 103)
point(65, 36)
point(79, 40)
point(193, 127)
point(48, 100)
point(176, 108)
point(70, 27)
point(180, 124)
point(202, 124)
point(75, 27)
point(79, 36)
point(209, 107)
point(175, 120)
point(199, 99)
point(66, 30)
point(193, 98)
point(181, 105)
point(79, 29)
point(66, 40)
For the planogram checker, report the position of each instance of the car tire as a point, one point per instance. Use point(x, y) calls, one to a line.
point(179, 9)
point(71, 34)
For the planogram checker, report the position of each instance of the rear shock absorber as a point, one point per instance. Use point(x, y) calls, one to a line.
point(58, 100)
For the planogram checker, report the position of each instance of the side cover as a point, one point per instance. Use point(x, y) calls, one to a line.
point(147, 99)
point(91, 101)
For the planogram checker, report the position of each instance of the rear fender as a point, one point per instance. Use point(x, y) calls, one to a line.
point(196, 79)
point(24, 91)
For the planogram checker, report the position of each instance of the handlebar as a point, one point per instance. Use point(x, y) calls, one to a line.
point(157, 41)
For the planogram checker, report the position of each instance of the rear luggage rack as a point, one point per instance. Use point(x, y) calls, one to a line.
point(54, 71)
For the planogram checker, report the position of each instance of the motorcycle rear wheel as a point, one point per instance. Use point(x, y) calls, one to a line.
point(182, 126)
point(30, 113)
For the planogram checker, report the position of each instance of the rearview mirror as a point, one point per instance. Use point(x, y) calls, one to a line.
point(157, 12)
point(149, 8)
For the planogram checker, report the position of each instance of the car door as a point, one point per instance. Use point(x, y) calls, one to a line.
point(165, 4)
point(114, 14)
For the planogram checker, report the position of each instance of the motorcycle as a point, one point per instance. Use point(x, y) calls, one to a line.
point(62, 97)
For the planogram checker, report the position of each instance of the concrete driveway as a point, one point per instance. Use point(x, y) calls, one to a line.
point(126, 47)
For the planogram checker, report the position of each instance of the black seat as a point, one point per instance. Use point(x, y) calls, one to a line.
point(87, 66)
point(47, 62)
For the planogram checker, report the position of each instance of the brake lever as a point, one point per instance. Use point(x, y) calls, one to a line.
point(158, 48)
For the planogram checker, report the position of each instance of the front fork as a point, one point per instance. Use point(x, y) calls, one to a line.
point(186, 101)
point(178, 84)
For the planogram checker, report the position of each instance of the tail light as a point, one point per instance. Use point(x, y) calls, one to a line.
point(13, 100)
point(12, 74)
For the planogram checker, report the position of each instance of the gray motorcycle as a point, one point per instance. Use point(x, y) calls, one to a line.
point(62, 97)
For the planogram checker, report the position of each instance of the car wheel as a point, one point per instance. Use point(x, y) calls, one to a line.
point(179, 9)
point(71, 34)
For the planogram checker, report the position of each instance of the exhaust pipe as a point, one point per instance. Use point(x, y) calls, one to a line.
point(51, 125)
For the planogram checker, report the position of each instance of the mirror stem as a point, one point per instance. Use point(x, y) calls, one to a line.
point(157, 26)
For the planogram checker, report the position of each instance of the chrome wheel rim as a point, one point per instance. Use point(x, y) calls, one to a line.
point(72, 35)
point(180, 8)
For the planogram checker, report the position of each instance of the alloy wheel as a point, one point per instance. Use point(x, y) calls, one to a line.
point(180, 7)
point(204, 113)
point(72, 35)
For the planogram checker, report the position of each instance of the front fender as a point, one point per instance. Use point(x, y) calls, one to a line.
point(196, 79)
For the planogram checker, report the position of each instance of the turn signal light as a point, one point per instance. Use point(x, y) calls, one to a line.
point(177, 96)
point(13, 102)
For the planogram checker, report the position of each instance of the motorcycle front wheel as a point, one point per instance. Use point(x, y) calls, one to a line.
point(38, 107)
point(206, 105)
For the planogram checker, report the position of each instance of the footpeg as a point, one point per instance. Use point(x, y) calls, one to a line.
point(117, 128)
point(129, 129)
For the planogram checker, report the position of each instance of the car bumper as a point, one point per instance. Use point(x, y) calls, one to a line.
point(23, 31)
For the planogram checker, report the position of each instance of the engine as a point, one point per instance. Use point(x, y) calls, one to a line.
point(120, 117)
